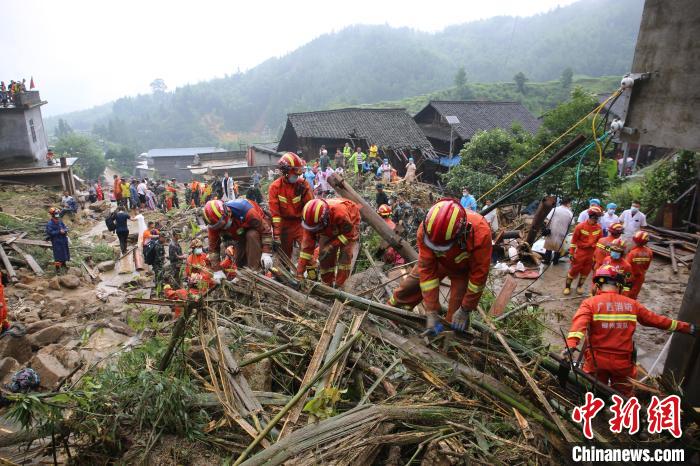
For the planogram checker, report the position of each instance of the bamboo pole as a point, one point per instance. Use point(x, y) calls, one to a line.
point(300, 394)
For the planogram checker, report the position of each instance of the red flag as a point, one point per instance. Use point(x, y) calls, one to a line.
point(31, 83)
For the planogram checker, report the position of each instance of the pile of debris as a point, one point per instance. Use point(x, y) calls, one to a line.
point(676, 246)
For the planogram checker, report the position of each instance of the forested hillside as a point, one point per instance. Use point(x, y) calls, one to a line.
point(368, 64)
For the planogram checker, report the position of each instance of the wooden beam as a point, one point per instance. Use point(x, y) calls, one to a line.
point(31, 262)
point(8, 266)
point(503, 298)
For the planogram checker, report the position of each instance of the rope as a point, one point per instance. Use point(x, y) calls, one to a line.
point(548, 146)
point(600, 107)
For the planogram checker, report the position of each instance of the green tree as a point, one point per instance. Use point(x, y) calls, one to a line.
point(91, 161)
point(461, 77)
point(567, 77)
point(520, 81)
point(62, 128)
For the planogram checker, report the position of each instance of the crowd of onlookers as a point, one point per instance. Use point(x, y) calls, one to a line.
point(9, 92)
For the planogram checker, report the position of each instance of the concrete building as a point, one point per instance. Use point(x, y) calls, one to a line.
point(23, 146)
point(173, 162)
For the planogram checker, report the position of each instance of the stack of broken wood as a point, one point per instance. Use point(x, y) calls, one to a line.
point(677, 246)
point(12, 253)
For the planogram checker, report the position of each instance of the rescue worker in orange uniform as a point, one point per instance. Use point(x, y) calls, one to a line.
point(583, 246)
point(622, 267)
point(243, 221)
point(601, 247)
point(639, 257)
point(194, 193)
point(452, 243)
point(198, 267)
point(389, 255)
point(228, 265)
point(287, 196)
point(335, 225)
point(170, 193)
point(608, 321)
point(4, 323)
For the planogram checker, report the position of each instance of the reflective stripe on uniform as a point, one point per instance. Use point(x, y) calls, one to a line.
point(282, 198)
point(296, 200)
point(641, 259)
point(306, 256)
point(672, 327)
point(602, 246)
point(474, 288)
point(240, 231)
point(342, 239)
point(615, 317)
point(584, 232)
point(276, 219)
point(578, 335)
point(392, 300)
point(461, 257)
point(325, 271)
point(344, 267)
point(430, 284)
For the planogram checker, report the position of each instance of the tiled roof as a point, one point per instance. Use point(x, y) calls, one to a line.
point(182, 151)
point(484, 115)
point(390, 128)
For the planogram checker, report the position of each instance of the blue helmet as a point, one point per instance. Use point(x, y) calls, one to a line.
point(594, 201)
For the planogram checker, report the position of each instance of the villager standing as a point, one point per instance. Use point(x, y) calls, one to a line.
point(121, 220)
point(339, 159)
point(385, 169)
point(381, 197)
point(455, 243)
point(558, 223)
point(57, 233)
point(287, 197)
point(227, 186)
point(240, 220)
point(608, 321)
point(347, 153)
point(639, 257)
point(134, 195)
point(117, 190)
point(323, 160)
point(468, 201)
point(583, 245)
point(98, 191)
point(141, 191)
point(410, 171)
point(126, 193)
point(333, 224)
point(492, 217)
point(373, 151)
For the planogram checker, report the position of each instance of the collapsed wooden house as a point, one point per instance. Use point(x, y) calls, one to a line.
point(393, 130)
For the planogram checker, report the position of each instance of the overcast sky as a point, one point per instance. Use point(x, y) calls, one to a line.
point(87, 52)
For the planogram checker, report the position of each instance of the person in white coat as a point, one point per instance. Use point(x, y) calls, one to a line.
point(633, 220)
point(609, 217)
point(558, 223)
point(583, 216)
point(227, 185)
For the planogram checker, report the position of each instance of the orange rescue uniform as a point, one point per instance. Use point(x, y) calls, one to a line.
point(610, 319)
point(4, 323)
point(639, 258)
point(286, 202)
point(170, 193)
point(623, 269)
point(335, 242)
point(199, 264)
point(229, 267)
point(466, 264)
point(583, 246)
point(602, 251)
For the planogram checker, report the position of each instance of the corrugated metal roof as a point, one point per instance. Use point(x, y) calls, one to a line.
point(390, 128)
point(484, 115)
point(182, 151)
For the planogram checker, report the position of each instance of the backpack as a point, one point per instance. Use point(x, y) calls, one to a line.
point(149, 252)
point(110, 221)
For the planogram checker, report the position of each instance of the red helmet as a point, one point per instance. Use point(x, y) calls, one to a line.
point(641, 237)
point(315, 215)
point(215, 214)
point(606, 274)
point(616, 229)
point(595, 211)
point(53, 211)
point(444, 222)
point(290, 163)
point(617, 245)
point(384, 210)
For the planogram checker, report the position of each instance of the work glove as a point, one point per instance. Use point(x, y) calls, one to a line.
point(432, 324)
point(266, 261)
point(571, 252)
point(312, 273)
point(569, 354)
point(460, 320)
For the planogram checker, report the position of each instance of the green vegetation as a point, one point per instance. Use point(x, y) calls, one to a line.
point(336, 70)
point(91, 161)
point(669, 179)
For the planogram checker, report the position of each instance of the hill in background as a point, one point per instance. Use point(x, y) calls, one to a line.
point(369, 64)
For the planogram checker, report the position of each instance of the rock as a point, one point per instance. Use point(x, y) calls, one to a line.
point(69, 281)
point(100, 206)
point(30, 317)
point(49, 369)
point(54, 284)
point(24, 286)
point(36, 297)
point(105, 266)
point(8, 366)
point(120, 327)
point(259, 374)
point(59, 305)
point(70, 359)
point(47, 336)
point(18, 348)
point(37, 326)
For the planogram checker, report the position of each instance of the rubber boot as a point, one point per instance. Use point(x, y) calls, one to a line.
point(579, 288)
point(567, 288)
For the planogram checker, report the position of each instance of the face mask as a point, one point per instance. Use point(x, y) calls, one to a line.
point(634, 209)
point(465, 194)
point(615, 255)
point(611, 211)
point(293, 178)
point(57, 215)
point(197, 250)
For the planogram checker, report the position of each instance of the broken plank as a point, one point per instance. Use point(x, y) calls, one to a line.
point(26, 242)
point(31, 262)
point(21, 235)
point(8, 266)
point(315, 363)
point(90, 272)
point(503, 298)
